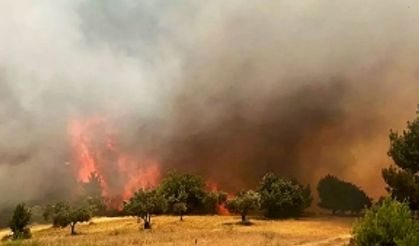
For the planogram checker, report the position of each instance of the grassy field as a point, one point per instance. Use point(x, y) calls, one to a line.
point(197, 230)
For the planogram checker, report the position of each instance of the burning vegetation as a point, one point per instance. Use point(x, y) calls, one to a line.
point(96, 150)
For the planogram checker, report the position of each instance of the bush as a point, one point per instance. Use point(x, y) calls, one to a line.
point(341, 196)
point(281, 198)
point(20, 221)
point(391, 223)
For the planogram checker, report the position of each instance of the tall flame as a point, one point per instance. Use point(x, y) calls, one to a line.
point(96, 150)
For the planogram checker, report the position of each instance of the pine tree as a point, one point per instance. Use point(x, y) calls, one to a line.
point(403, 180)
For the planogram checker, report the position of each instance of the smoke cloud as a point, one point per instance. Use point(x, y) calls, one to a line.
point(229, 90)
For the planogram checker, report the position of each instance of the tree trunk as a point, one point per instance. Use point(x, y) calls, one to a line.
point(243, 218)
point(147, 222)
point(181, 217)
point(73, 227)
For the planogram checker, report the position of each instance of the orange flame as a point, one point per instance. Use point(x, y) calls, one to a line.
point(95, 150)
point(221, 209)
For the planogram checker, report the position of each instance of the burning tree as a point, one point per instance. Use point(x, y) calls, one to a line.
point(93, 187)
point(403, 181)
point(104, 167)
point(92, 192)
point(145, 203)
point(243, 203)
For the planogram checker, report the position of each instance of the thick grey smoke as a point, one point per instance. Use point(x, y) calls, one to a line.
point(226, 89)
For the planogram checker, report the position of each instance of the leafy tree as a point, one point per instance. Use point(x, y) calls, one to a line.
point(283, 198)
point(390, 223)
point(190, 190)
point(243, 203)
point(63, 214)
point(403, 182)
point(20, 221)
point(180, 208)
point(144, 203)
point(341, 196)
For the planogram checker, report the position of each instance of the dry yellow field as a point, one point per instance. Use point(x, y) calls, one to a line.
point(198, 230)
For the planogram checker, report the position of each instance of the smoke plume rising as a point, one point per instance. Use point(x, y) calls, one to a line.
point(228, 90)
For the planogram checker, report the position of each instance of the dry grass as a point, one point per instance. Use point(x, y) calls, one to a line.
point(198, 230)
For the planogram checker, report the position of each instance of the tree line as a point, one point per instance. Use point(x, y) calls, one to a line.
point(186, 194)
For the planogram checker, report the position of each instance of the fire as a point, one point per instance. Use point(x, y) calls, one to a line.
point(95, 149)
point(221, 209)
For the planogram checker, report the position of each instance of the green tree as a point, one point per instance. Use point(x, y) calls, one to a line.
point(390, 223)
point(282, 197)
point(243, 203)
point(190, 190)
point(180, 209)
point(20, 221)
point(63, 214)
point(403, 181)
point(340, 196)
point(145, 203)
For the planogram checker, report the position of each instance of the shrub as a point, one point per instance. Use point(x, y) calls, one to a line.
point(390, 223)
point(341, 196)
point(20, 221)
point(281, 198)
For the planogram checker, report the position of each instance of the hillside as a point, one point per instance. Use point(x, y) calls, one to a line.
point(197, 230)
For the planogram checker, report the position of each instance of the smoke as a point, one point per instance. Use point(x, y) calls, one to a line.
point(227, 90)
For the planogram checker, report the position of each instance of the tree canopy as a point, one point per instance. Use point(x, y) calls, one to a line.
point(64, 214)
point(403, 180)
point(281, 197)
point(191, 191)
point(144, 204)
point(340, 196)
point(243, 203)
